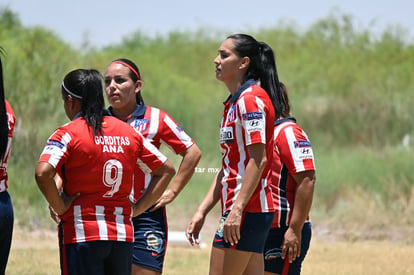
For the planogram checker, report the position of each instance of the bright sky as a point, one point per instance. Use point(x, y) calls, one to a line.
point(105, 22)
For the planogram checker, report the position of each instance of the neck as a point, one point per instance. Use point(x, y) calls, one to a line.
point(235, 85)
point(122, 114)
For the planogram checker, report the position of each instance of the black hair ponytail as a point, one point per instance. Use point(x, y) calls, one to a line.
point(86, 86)
point(4, 125)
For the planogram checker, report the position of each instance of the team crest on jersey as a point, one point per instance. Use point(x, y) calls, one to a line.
point(141, 124)
point(231, 116)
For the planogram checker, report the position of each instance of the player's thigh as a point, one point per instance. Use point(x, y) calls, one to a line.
point(228, 261)
point(140, 270)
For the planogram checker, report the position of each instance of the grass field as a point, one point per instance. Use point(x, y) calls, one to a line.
point(36, 253)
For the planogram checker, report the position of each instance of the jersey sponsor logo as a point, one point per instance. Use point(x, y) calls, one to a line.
point(226, 135)
point(231, 116)
point(54, 143)
point(141, 124)
point(179, 129)
point(254, 125)
point(302, 143)
point(252, 115)
point(303, 148)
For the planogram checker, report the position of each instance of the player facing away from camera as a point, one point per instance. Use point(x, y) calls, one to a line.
point(95, 155)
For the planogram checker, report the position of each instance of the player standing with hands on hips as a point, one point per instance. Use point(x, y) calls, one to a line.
point(123, 83)
point(7, 121)
point(95, 156)
point(247, 67)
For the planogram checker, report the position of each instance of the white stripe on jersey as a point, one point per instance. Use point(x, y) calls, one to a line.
point(242, 110)
point(297, 156)
point(55, 152)
point(263, 199)
point(154, 123)
point(149, 146)
point(279, 128)
point(181, 135)
point(77, 219)
point(120, 226)
point(100, 219)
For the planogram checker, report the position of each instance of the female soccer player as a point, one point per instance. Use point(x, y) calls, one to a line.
point(293, 183)
point(123, 83)
point(95, 156)
point(7, 121)
point(247, 67)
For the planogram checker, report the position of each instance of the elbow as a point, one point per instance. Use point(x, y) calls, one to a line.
point(169, 169)
point(193, 153)
point(263, 163)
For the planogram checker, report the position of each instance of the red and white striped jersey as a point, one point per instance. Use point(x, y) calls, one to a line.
point(101, 169)
point(4, 162)
point(247, 119)
point(292, 154)
point(159, 128)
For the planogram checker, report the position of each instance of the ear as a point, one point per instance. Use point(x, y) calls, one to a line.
point(245, 62)
point(138, 86)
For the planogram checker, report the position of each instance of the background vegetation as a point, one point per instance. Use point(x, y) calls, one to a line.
point(351, 90)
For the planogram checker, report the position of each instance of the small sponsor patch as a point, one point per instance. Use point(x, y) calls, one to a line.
point(254, 125)
point(179, 129)
point(252, 115)
point(55, 143)
point(141, 124)
point(302, 143)
point(226, 135)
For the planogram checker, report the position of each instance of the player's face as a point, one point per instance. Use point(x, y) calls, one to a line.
point(228, 62)
point(120, 89)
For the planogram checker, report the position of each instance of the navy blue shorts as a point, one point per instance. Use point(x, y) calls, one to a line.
point(273, 251)
point(253, 232)
point(96, 258)
point(150, 234)
point(6, 228)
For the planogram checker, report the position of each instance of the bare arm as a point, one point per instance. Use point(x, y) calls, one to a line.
point(209, 201)
point(45, 178)
point(257, 162)
point(303, 201)
point(160, 179)
point(191, 157)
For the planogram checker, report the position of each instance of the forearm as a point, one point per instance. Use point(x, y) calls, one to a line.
point(160, 179)
point(44, 175)
point(254, 170)
point(303, 201)
point(213, 195)
point(191, 157)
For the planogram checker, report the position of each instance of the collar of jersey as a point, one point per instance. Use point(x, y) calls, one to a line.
point(138, 112)
point(245, 85)
point(285, 119)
